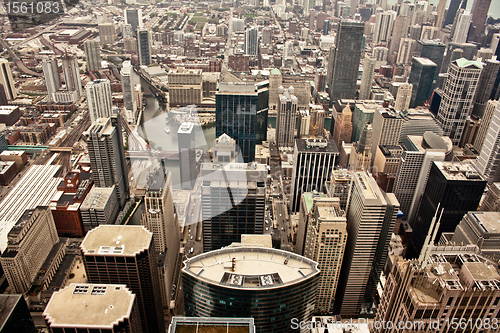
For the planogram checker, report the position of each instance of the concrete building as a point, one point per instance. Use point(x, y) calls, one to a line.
point(51, 75)
point(363, 113)
point(387, 159)
point(7, 80)
point(417, 122)
point(343, 127)
point(8, 171)
point(187, 154)
point(340, 187)
point(491, 200)
point(9, 114)
point(31, 240)
point(144, 46)
point(313, 162)
point(384, 21)
point(479, 14)
point(488, 162)
point(406, 50)
point(286, 118)
point(99, 99)
point(462, 28)
point(459, 89)
point(225, 150)
point(107, 33)
point(484, 126)
point(403, 98)
point(106, 246)
point(106, 307)
point(361, 155)
point(400, 31)
point(365, 89)
point(275, 81)
point(485, 86)
point(185, 86)
point(129, 96)
point(326, 237)
point(107, 156)
point(71, 72)
point(99, 207)
point(387, 125)
point(251, 41)
point(370, 221)
point(271, 286)
point(233, 199)
point(92, 54)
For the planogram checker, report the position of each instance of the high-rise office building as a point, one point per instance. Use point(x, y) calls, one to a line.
point(343, 127)
point(387, 125)
point(383, 26)
point(448, 285)
point(462, 29)
point(403, 98)
point(144, 46)
point(242, 103)
point(107, 33)
point(456, 51)
point(421, 77)
point(185, 86)
point(433, 50)
point(99, 99)
point(441, 8)
point(326, 237)
point(263, 283)
point(16, 316)
point(99, 207)
point(128, 89)
point(340, 187)
point(125, 254)
point(400, 31)
point(365, 89)
point(251, 41)
point(71, 72)
point(456, 188)
point(485, 86)
point(107, 155)
point(313, 162)
point(417, 122)
point(370, 221)
point(479, 13)
point(362, 114)
point(488, 162)
point(405, 51)
point(361, 155)
point(30, 242)
point(127, 31)
point(275, 81)
point(459, 89)
point(343, 61)
point(134, 18)
point(92, 54)
point(485, 124)
point(110, 307)
point(286, 117)
point(51, 75)
point(452, 11)
point(7, 80)
point(418, 154)
point(187, 154)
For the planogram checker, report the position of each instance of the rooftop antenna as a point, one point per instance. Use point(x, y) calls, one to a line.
point(429, 240)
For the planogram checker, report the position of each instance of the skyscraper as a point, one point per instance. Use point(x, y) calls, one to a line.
point(383, 26)
point(457, 188)
point(485, 124)
point(343, 127)
point(125, 254)
point(251, 41)
point(134, 18)
point(406, 50)
point(313, 162)
point(488, 162)
point(51, 74)
point(452, 11)
point(144, 46)
point(361, 155)
point(485, 86)
point(387, 125)
point(326, 237)
point(462, 29)
point(187, 154)
point(99, 99)
point(107, 155)
point(129, 95)
point(7, 80)
point(441, 8)
point(71, 72)
point(432, 50)
point(92, 54)
point(400, 31)
point(365, 89)
point(479, 13)
point(459, 89)
point(107, 33)
point(421, 77)
point(370, 220)
point(233, 199)
point(403, 97)
point(16, 316)
point(238, 107)
point(343, 61)
point(287, 115)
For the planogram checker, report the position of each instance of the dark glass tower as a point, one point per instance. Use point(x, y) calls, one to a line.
point(454, 185)
point(421, 76)
point(15, 315)
point(343, 63)
point(433, 50)
point(241, 113)
point(479, 13)
point(452, 10)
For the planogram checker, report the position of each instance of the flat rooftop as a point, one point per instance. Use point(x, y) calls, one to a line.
point(489, 222)
point(97, 197)
point(116, 240)
point(211, 325)
point(7, 109)
point(236, 88)
point(425, 61)
point(316, 146)
point(95, 306)
point(459, 171)
point(254, 267)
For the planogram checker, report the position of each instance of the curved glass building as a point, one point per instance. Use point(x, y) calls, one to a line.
point(272, 286)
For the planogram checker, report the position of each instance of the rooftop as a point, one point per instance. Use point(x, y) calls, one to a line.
point(237, 88)
point(459, 171)
point(113, 240)
point(462, 62)
point(89, 306)
point(97, 197)
point(249, 267)
point(489, 222)
point(7, 109)
point(425, 61)
point(211, 325)
point(316, 146)
point(186, 127)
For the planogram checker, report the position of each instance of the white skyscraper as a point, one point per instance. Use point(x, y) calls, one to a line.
point(71, 72)
point(383, 26)
point(367, 78)
point(128, 88)
point(7, 80)
point(99, 99)
point(387, 126)
point(403, 97)
point(488, 162)
point(251, 41)
point(187, 154)
point(286, 117)
point(462, 29)
point(51, 74)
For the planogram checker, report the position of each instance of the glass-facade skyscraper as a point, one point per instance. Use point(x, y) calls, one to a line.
point(421, 76)
point(241, 113)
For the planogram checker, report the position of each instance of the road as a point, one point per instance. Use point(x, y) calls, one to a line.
point(18, 61)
